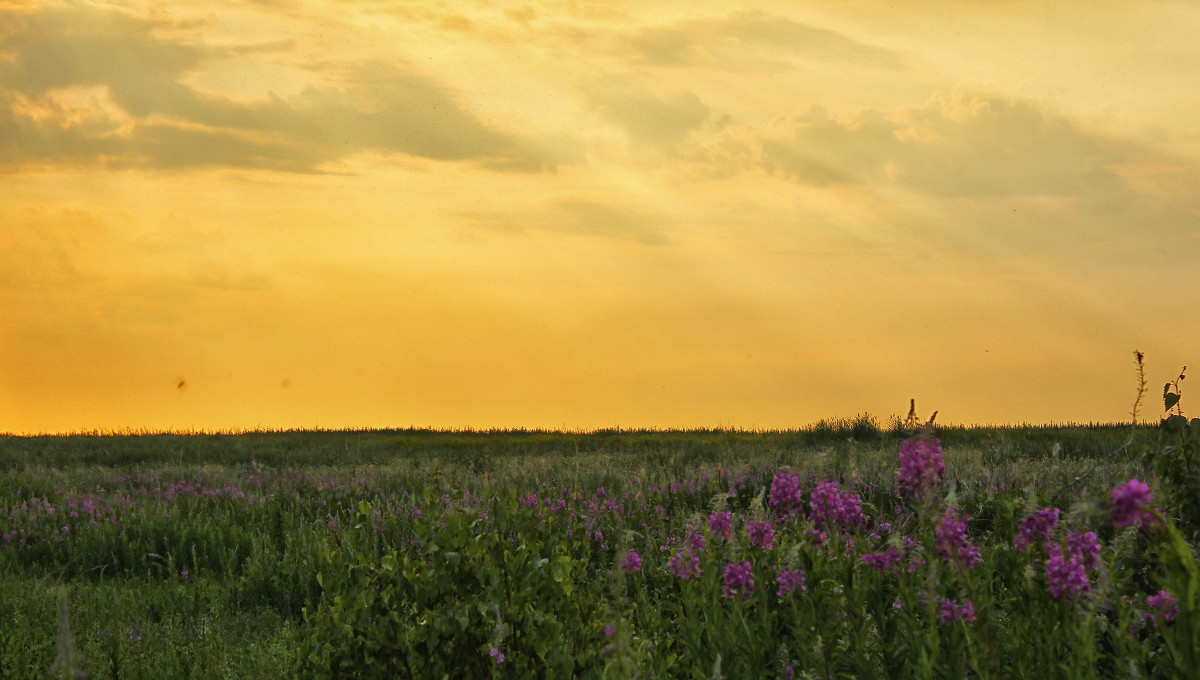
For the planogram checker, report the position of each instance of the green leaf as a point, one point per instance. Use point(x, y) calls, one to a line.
point(1169, 400)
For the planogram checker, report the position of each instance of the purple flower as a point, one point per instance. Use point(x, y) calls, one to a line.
point(610, 630)
point(952, 611)
point(184, 574)
point(1164, 604)
point(1087, 546)
point(788, 580)
point(921, 466)
point(1128, 500)
point(785, 494)
point(952, 543)
point(817, 537)
point(882, 561)
point(1065, 577)
point(832, 508)
point(632, 563)
point(684, 565)
point(761, 534)
point(739, 578)
point(1035, 527)
point(721, 523)
point(697, 543)
point(497, 655)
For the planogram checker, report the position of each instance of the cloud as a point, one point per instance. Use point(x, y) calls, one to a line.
point(365, 107)
point(648, 118)
point(751, 40)
point(962, 146)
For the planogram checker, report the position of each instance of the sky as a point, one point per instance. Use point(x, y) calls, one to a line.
point(576, 215)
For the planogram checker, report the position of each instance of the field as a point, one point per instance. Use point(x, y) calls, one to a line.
point(842, 550)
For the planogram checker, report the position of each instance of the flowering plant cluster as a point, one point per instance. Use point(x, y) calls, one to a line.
point(952, 542)
point(773, 573)
point(832, 508)
point(785, 497)
point(1129, 501)
point(1035, 529)
point(921, 466)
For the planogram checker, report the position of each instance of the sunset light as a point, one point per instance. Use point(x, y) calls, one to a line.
point(574, 215)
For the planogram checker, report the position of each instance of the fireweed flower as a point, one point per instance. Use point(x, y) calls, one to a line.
point(1087, 546)
point(1036, 528)
point(739, 578)
point(761, 534)
point(632, 563)
point(721, 523)
point(1065, 577)
point(785, 495)
point(497, 655)
point(817, 537)
point(1128, 500)
point(952, 543)
point(832, 508)
point(921, 466)
point(788, 580)
point(882, 561)
point(684, 565)
point(1165, 606)
point(697, 543)
point(952, 611)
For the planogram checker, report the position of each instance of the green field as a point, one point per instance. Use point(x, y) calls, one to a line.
point(416, 553)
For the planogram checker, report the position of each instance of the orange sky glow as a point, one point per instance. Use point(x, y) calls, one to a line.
point(573, 215)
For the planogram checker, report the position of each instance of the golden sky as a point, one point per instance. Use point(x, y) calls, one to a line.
point(578, 215)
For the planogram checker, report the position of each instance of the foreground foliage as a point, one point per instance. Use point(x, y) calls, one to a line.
point(850, 551)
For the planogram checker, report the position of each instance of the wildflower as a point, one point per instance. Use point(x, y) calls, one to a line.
point(610, 630)
point(952, 611)
point(1164, 604)
point(831, 507)
point(184, 574)
point(882, 561)
point(632, 563)
point(697, 542)
point(739, 578)
point(761, 534)
point(921, 466)
point(721, 523)
point(1035, 527)
point(952, 543)
point(1128, 500)
point(817, 536)
point(497, 655)
point(1087, 546)
point(1065, 577)
point(684, 565)
point(789, 580)
point(785, 494)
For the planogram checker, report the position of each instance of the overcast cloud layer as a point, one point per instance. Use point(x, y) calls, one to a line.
point(585, 215)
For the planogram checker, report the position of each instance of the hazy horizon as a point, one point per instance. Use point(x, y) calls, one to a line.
point(575, 216)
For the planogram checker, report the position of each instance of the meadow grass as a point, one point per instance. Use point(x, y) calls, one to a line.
point(198, 555)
